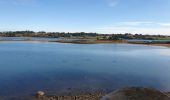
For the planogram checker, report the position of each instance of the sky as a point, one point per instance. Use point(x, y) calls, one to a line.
point(101, 16)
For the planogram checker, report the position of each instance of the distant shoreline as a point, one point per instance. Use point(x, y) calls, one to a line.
point(110, 42)
point(91, 41)
point(165, 44)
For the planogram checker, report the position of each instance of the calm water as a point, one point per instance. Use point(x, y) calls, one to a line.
point(26, 67)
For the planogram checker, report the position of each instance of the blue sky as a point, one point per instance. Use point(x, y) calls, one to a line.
point(103, 16)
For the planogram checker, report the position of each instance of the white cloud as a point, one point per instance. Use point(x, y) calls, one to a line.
point(136, 27)
point(133, 23)
point(112, 3)
point(165, 24)
point(17, 2)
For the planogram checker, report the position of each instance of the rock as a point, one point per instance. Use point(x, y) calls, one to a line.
point(79, 96)
point(40, 94)
point(135, 93)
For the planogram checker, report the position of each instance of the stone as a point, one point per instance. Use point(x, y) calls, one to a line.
point(40, 94)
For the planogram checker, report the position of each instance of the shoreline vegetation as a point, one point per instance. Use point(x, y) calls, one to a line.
point(84, 41)
point(88, 38)
point(82, 35)
point(91, 41)
point(167, 44)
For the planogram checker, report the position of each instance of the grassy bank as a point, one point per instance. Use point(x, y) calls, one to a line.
point(91, 41)
point(167, 44)
point(156, 43)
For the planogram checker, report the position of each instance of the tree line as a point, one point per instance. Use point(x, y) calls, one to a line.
point(81, 35)
point(44, 34)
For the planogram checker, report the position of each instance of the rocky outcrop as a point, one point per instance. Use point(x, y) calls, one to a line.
point(135, 93)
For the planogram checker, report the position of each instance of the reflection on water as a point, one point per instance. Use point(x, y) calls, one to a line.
point(55, 67)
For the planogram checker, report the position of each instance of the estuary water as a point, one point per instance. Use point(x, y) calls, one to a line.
point(26, 67)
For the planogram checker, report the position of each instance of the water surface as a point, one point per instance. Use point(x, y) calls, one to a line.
point(26, 67)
